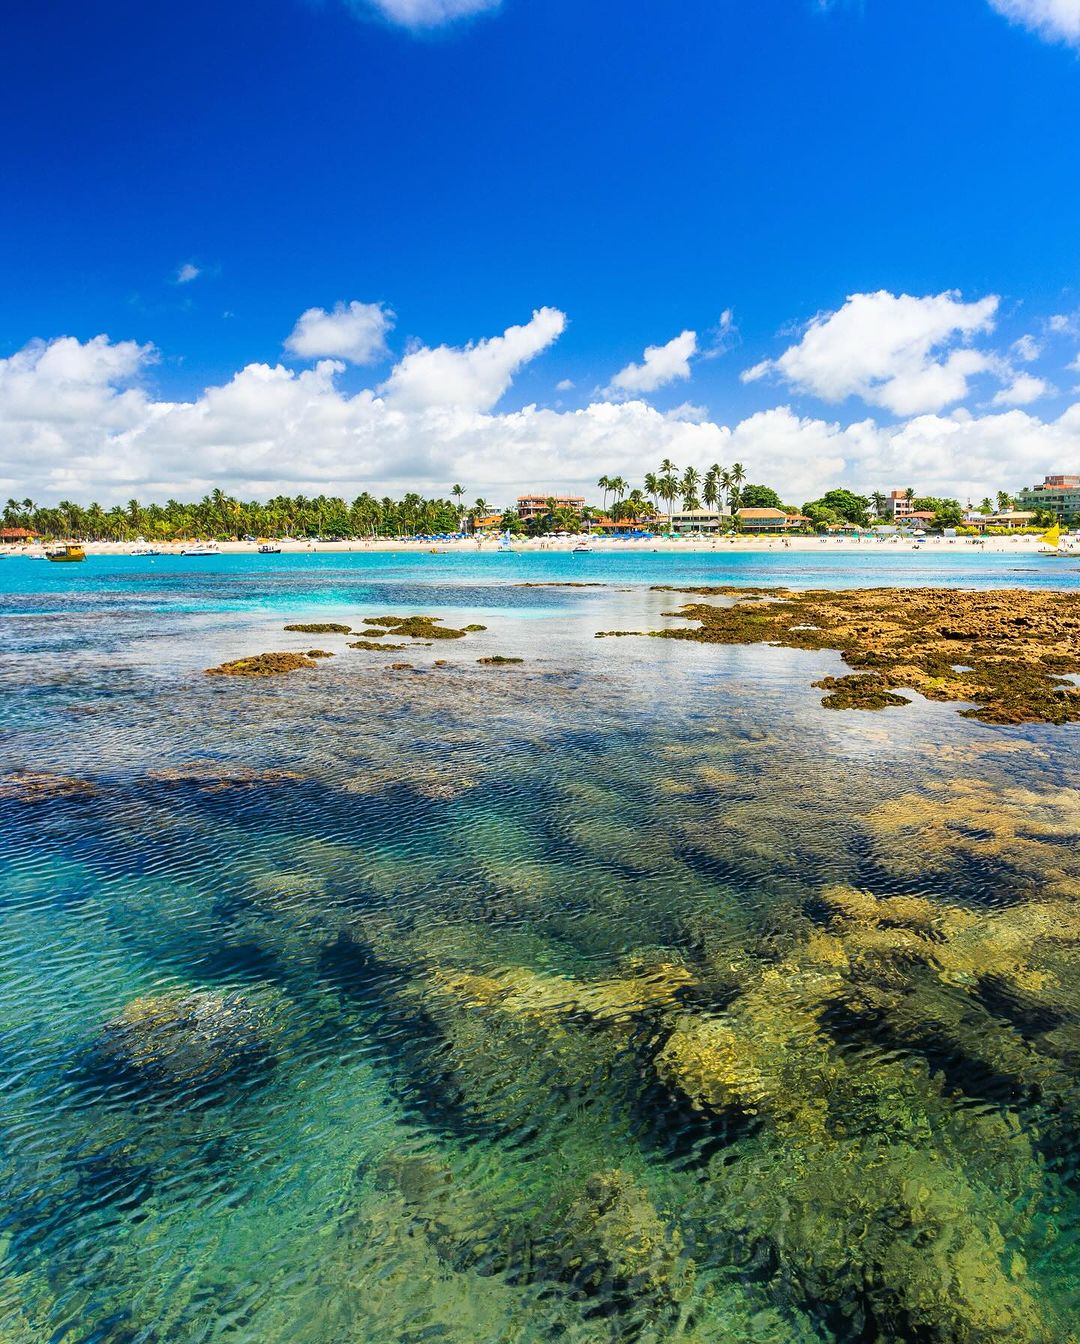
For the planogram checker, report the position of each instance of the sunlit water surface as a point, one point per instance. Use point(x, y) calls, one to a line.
point(582, 999)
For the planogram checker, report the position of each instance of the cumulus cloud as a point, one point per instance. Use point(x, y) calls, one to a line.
point(1056, 20)
point(352, 331)
point(429, 13)
point(188, 272)
point(661, 364)
point(78, 420)
point(1022, 391)
point(894, 351)
point(475, 376)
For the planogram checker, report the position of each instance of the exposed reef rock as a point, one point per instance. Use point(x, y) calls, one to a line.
point(322, 628)
point(319, 653)
point(40, 786)
point(498, 660)
point(374, 644)
point(184, 1038)
point(419, 627)
point(263, 665)
point(1015, 648)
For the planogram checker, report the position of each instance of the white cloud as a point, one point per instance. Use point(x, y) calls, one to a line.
point(430, 13)
point(1057, 20)
point(1022, 391)
point(566, 385)
point(1026, 349)
point(723, 337)
point(661, 364)
point(77, 420)
point(188, 272)
point(476, 376)
point(355, 332)
point(890, 350)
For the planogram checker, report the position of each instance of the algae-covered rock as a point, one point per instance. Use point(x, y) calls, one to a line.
point(1008, 651)
point(188, 1037)
point(418, 627)
point(321, 628)
point(498, 660)
point(262, 665)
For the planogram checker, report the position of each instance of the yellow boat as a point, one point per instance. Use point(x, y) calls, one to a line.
point(66, 554)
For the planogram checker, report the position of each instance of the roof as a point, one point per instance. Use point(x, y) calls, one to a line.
point(761, 513)
point(16, 533)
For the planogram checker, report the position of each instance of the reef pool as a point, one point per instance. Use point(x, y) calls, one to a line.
point(486, 981)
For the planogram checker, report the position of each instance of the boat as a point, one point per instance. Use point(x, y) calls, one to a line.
point(504, 547)
point(209, 548)
point(67, 554)
point(582, 548)
point(145, 550)
point(267, 549)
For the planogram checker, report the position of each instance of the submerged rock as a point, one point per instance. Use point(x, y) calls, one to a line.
point(187, 1037)
point(262, 665)
point(40, 786)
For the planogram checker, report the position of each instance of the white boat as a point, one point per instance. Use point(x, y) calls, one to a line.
point(267, 549)
point(582, 548)
point(209, 548)
point(145, 550)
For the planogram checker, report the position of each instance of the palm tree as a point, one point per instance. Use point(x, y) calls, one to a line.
point(618, 488)
point(986, 504)
point(652, 488)
point(710, 487)
point(909, 494)
point(879, 504)
point(458, 491)
point(688, 487)
point(1005, 501)
point(669, 487)
point(604, 483)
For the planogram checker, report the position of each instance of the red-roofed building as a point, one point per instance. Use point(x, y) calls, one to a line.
point(10, 536)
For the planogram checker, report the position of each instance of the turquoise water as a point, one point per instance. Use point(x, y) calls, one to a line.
point(622, 994)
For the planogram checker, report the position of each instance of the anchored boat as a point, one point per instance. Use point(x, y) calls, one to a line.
point(65, 555)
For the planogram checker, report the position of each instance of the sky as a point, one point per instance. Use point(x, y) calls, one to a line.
point(387, 245)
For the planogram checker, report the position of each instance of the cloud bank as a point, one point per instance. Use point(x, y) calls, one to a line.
point(79, 420)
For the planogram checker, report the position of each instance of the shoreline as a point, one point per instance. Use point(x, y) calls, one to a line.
point(1019, 545)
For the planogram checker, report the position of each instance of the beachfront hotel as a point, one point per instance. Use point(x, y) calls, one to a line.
point(533, 506)
point(1059, 495)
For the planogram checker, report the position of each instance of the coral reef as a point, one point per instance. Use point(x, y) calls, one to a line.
point(374, 644)
point(262, 665)
point(1016, 649)
point(219, 776)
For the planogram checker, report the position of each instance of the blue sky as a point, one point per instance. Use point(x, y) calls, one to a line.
point(184, 185)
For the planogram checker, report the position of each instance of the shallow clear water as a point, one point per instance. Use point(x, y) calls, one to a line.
point(574, 1000)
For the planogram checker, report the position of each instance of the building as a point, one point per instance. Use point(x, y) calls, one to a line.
point(1059, 494)
point(769, 520)
point(533, 506)
point(1012, 518)
point(897, 505)
point(11, 536)
point(696, 520)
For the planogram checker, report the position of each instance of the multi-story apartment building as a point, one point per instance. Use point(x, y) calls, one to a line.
point(532, 506)
point(898, 506)
point(1059, 494)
